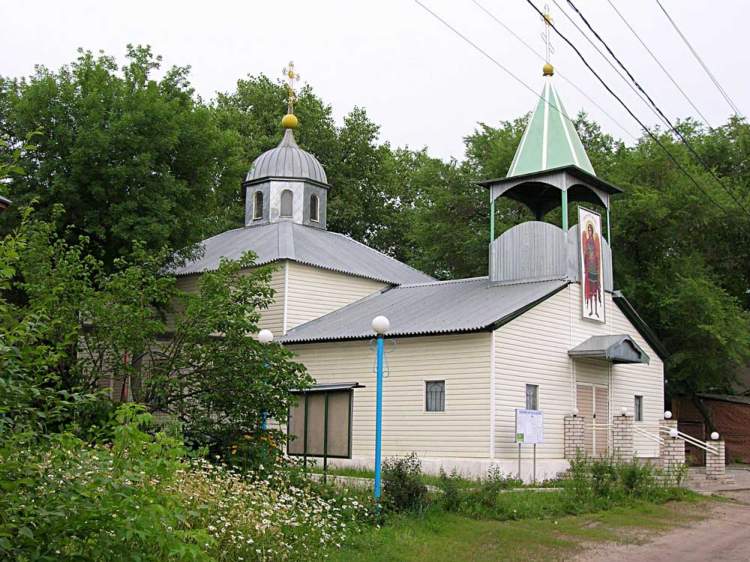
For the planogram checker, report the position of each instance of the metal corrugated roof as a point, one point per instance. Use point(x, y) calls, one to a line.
point(286, 240)
point(4, 202)
point(287, 161)
point(616, 348)
point(440, 307)
point(550, 139)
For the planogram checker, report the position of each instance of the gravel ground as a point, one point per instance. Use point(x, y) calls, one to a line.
point(723, 536)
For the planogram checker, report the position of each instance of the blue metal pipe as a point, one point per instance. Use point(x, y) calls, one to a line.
point(378, 417)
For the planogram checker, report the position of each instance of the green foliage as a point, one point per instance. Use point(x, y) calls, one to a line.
point(129, 156)
point(77, 323)
point(403, 489)
point(138, 499)
point(63, 499)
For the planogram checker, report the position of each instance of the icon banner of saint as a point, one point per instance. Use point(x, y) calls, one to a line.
point(592, 269)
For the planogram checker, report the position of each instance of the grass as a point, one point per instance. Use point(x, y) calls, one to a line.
point(363, 472)
point(437, 535)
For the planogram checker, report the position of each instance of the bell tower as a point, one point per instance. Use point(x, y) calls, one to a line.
point(550, 170)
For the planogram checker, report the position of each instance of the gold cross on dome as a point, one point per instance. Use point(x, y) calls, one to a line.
point(291, 77)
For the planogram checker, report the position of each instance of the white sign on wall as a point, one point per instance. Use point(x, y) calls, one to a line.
point(529, 426)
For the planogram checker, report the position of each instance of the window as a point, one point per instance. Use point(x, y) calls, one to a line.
point(258, 205)
point(314, 208)
point(435, 396)
point(532, 396)
point(638, 408)
point(287, 203)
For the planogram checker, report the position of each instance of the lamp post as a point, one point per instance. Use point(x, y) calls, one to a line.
point(380, 325)
point(264, 337)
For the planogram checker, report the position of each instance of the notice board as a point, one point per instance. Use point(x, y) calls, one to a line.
point(529, 426)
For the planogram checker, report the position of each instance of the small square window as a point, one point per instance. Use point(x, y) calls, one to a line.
point(532, 396)
point(435, 396)
point(638, 408)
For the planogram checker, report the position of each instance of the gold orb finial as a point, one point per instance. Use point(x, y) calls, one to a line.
point(289, 121)
point(548, 69)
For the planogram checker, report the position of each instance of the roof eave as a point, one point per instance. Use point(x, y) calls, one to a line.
point(264, 179)
point(570, 168)
point(490, 327)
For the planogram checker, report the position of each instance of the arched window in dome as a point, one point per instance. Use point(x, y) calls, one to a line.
point(287, 204)
point(314, 208)
point(257, 205)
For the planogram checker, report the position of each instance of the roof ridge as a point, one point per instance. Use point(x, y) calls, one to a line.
point(378, 251)
point(442, 282)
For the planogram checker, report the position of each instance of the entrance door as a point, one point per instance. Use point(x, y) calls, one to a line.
point(592, 401)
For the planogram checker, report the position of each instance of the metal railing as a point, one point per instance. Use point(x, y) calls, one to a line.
point(647, 434)
point(693, 441)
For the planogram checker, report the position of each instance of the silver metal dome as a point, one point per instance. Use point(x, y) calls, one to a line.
point(287, 161)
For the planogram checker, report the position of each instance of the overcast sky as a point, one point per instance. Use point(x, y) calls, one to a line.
point(420, 82)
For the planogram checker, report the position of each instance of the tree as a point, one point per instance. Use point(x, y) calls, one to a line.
point(188, 355)
point(128, 156)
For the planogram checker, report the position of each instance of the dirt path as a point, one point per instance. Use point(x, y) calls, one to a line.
point(723, 536)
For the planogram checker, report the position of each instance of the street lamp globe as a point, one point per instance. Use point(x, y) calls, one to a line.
point(380, 325)
point(667, 415)
point(714, 435)
point(673, 433)
point(265, 336)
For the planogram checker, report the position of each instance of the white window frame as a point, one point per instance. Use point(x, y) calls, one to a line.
point(291, 205)
point(316, 217)
point(445, 396)
point(638, 409)
point(257, 209)
point(526, 395)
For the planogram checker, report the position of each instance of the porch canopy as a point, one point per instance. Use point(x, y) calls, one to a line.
point(620, 348)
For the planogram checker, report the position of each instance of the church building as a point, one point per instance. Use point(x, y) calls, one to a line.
point(545, 330)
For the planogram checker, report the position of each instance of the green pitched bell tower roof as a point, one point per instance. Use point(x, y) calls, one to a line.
point(550, 140)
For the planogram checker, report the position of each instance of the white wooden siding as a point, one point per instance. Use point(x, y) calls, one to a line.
point(463, 361)
point(533, 349)
point(313, 292)
point(271, 318)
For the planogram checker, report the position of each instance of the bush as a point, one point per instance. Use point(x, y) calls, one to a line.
point(138, 499)
point(403, 489)
point(63, 499)
point(449, 485)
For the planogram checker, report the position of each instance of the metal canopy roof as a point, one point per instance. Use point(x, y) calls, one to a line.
point(4, 202)
point(615, 349)
point(286, 240)
point(329, 387)
point(440, 307)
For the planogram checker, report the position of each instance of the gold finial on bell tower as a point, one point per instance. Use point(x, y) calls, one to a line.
point(547, 69)
point(290, 121)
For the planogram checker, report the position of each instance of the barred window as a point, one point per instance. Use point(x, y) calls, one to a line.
point(532, 396)
point(435, 396)
point(638, 410)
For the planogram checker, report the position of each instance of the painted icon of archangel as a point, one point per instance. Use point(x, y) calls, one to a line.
point(592, 269)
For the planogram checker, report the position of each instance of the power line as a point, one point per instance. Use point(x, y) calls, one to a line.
point(723, 92)
point(492, 59)
point(606, 59)
point(682, 137)
point(657, 61)
point(542, 57)
point(633, 115)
